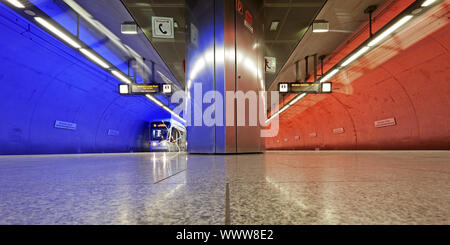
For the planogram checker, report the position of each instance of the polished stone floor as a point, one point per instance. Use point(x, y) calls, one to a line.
point(373, 187)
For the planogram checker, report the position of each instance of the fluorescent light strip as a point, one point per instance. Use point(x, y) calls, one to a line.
point(272, 117)
point(94, 58)
point(159, 103)
point(320, 30)
point(355, 56)
point(297, 99)
point(16, 4)
point(278, 113)
point(284, 108)
point(156, 101)
point(57, 32)
point(329, 75)
point(120, 76)
point(428, 3)
point(358, 54)
point(390, 30)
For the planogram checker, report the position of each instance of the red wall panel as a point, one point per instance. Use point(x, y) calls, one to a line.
point(407, 78)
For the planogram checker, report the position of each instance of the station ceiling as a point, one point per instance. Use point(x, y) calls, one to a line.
point(291, 41)
point(294, 15)
point(172, 51)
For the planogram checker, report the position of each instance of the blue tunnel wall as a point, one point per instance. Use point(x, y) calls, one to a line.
point(43, 81)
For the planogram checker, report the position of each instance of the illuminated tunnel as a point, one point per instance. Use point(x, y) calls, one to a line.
point(54, 100)
point(395, 97)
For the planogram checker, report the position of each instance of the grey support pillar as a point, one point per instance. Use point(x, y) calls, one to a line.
point(224, 54)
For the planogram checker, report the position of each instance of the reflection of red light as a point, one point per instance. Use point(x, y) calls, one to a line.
point(387, 83)
point(248, 18)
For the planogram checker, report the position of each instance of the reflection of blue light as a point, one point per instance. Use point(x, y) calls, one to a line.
point(67, 21)
point(45, 80)
point(108, 37)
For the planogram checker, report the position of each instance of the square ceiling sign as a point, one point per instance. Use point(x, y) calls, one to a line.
point(162, 27)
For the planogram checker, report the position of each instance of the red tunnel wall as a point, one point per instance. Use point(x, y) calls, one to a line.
point(407, 78)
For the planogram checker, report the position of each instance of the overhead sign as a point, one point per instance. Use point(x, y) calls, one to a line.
point(312, 88)
point(271, 64)
point(162, 27)
point(304, 87)
point(142, 89)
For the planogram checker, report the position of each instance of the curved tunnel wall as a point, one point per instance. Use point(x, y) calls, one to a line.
point(43, 81)
point(407, 79)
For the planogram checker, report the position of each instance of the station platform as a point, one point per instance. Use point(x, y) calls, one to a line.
point(285, 187)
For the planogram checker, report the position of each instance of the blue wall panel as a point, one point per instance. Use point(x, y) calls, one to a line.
point(42, 81)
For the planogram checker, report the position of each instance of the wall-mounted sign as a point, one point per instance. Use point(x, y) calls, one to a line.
point(142, 89)
point(113, 132)
point(385, 123)
point(239, 7)
point(297, 137)
point(338, 131)
point(271, 64)
point(304, 87)
point(313, 135)
point(65, 125)
point(162, 27)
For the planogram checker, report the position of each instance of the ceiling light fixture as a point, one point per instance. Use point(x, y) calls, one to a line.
point(297, 99)
point(319, 26)
point(16, 4)
point(274, 25)
point(156, 101)
point(94, 58)
point(355, 56)
point(121, 77)
point(129, 28)
point(389, 31)
point(428, 3)
point(329, 75)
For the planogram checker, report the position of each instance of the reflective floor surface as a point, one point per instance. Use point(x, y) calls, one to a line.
point(379, 187)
